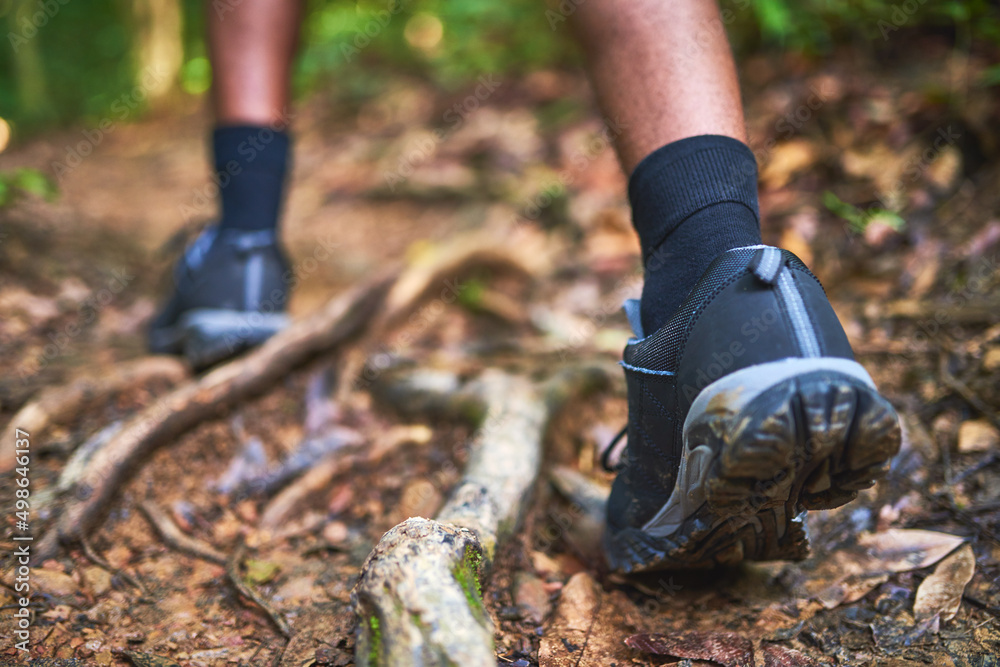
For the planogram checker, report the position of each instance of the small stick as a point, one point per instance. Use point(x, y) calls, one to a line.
point(92, 556)
point(233, 572)
point(966, 392)
point(176, 538)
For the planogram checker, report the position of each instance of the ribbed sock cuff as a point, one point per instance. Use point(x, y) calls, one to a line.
point(677, 180)
point(251, 162)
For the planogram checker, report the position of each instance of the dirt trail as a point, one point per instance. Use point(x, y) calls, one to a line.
point(392, 180)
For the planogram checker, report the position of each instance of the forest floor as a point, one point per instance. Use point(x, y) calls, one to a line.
point(389, 178)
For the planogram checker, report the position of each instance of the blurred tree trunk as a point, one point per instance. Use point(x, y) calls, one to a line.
point(32, 86)
point(159, 45)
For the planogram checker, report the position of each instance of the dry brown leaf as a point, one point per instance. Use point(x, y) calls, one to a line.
point(991, 360)
point(54, 582)
point(776, 655)
point(725, 648)
point(903, 549)
point(787, 159)
point(884, 553)
point(940, 594)
point(850, 589)
point(977, 435)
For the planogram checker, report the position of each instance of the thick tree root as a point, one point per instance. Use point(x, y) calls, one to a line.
point(56, 405)
point(418, 599)
point(377, 307)
point(195, 402)
point(418, 596)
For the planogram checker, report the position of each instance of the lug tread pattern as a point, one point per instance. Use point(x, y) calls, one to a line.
point(808, 443)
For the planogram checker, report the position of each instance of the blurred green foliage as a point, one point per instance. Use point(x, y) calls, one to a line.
point(17, 183)
point(857, 219)
point(68, 61)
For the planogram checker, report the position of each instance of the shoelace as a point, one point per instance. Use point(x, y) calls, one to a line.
point(610, 449)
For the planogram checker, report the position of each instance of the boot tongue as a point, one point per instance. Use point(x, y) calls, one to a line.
point(632, 312)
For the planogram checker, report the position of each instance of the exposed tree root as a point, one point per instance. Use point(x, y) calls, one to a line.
point(418, 600)
point(233, 566)
point(386, 302)
point(56, 405)
point(588, 499)
point(294, 496)
point(168, 418)
point(418, 597)
point(175, 537)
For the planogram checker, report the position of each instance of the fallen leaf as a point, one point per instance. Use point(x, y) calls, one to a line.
point(725, 648)
point(940, 594)
point(98, 580)
point(903, 549)
point(991, 360)
point(850, 589)
point(531, 597)
point(787, 159)
point(260, 571)
point(977, 435)
point(776, 655)
point(54, 582)
point(882, 553)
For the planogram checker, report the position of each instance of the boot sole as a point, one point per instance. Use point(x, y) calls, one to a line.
point(207, 336)
point(762, 446)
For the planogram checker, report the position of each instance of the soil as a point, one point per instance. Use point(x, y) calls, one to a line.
point(81, 277)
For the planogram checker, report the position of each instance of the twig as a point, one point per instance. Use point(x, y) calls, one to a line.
point(280, 654)
point(966, 392)
point(979, 604)
point(233, 573)
point(176, 538)
point(973, 312)
point(92, 556)
point(281, 508)
point(972, 470)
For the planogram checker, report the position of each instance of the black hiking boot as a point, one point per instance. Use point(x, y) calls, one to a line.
point(230, 293)
point(745, 410)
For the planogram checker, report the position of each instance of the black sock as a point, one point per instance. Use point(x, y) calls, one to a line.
point(692, 200)
point(250, 164)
